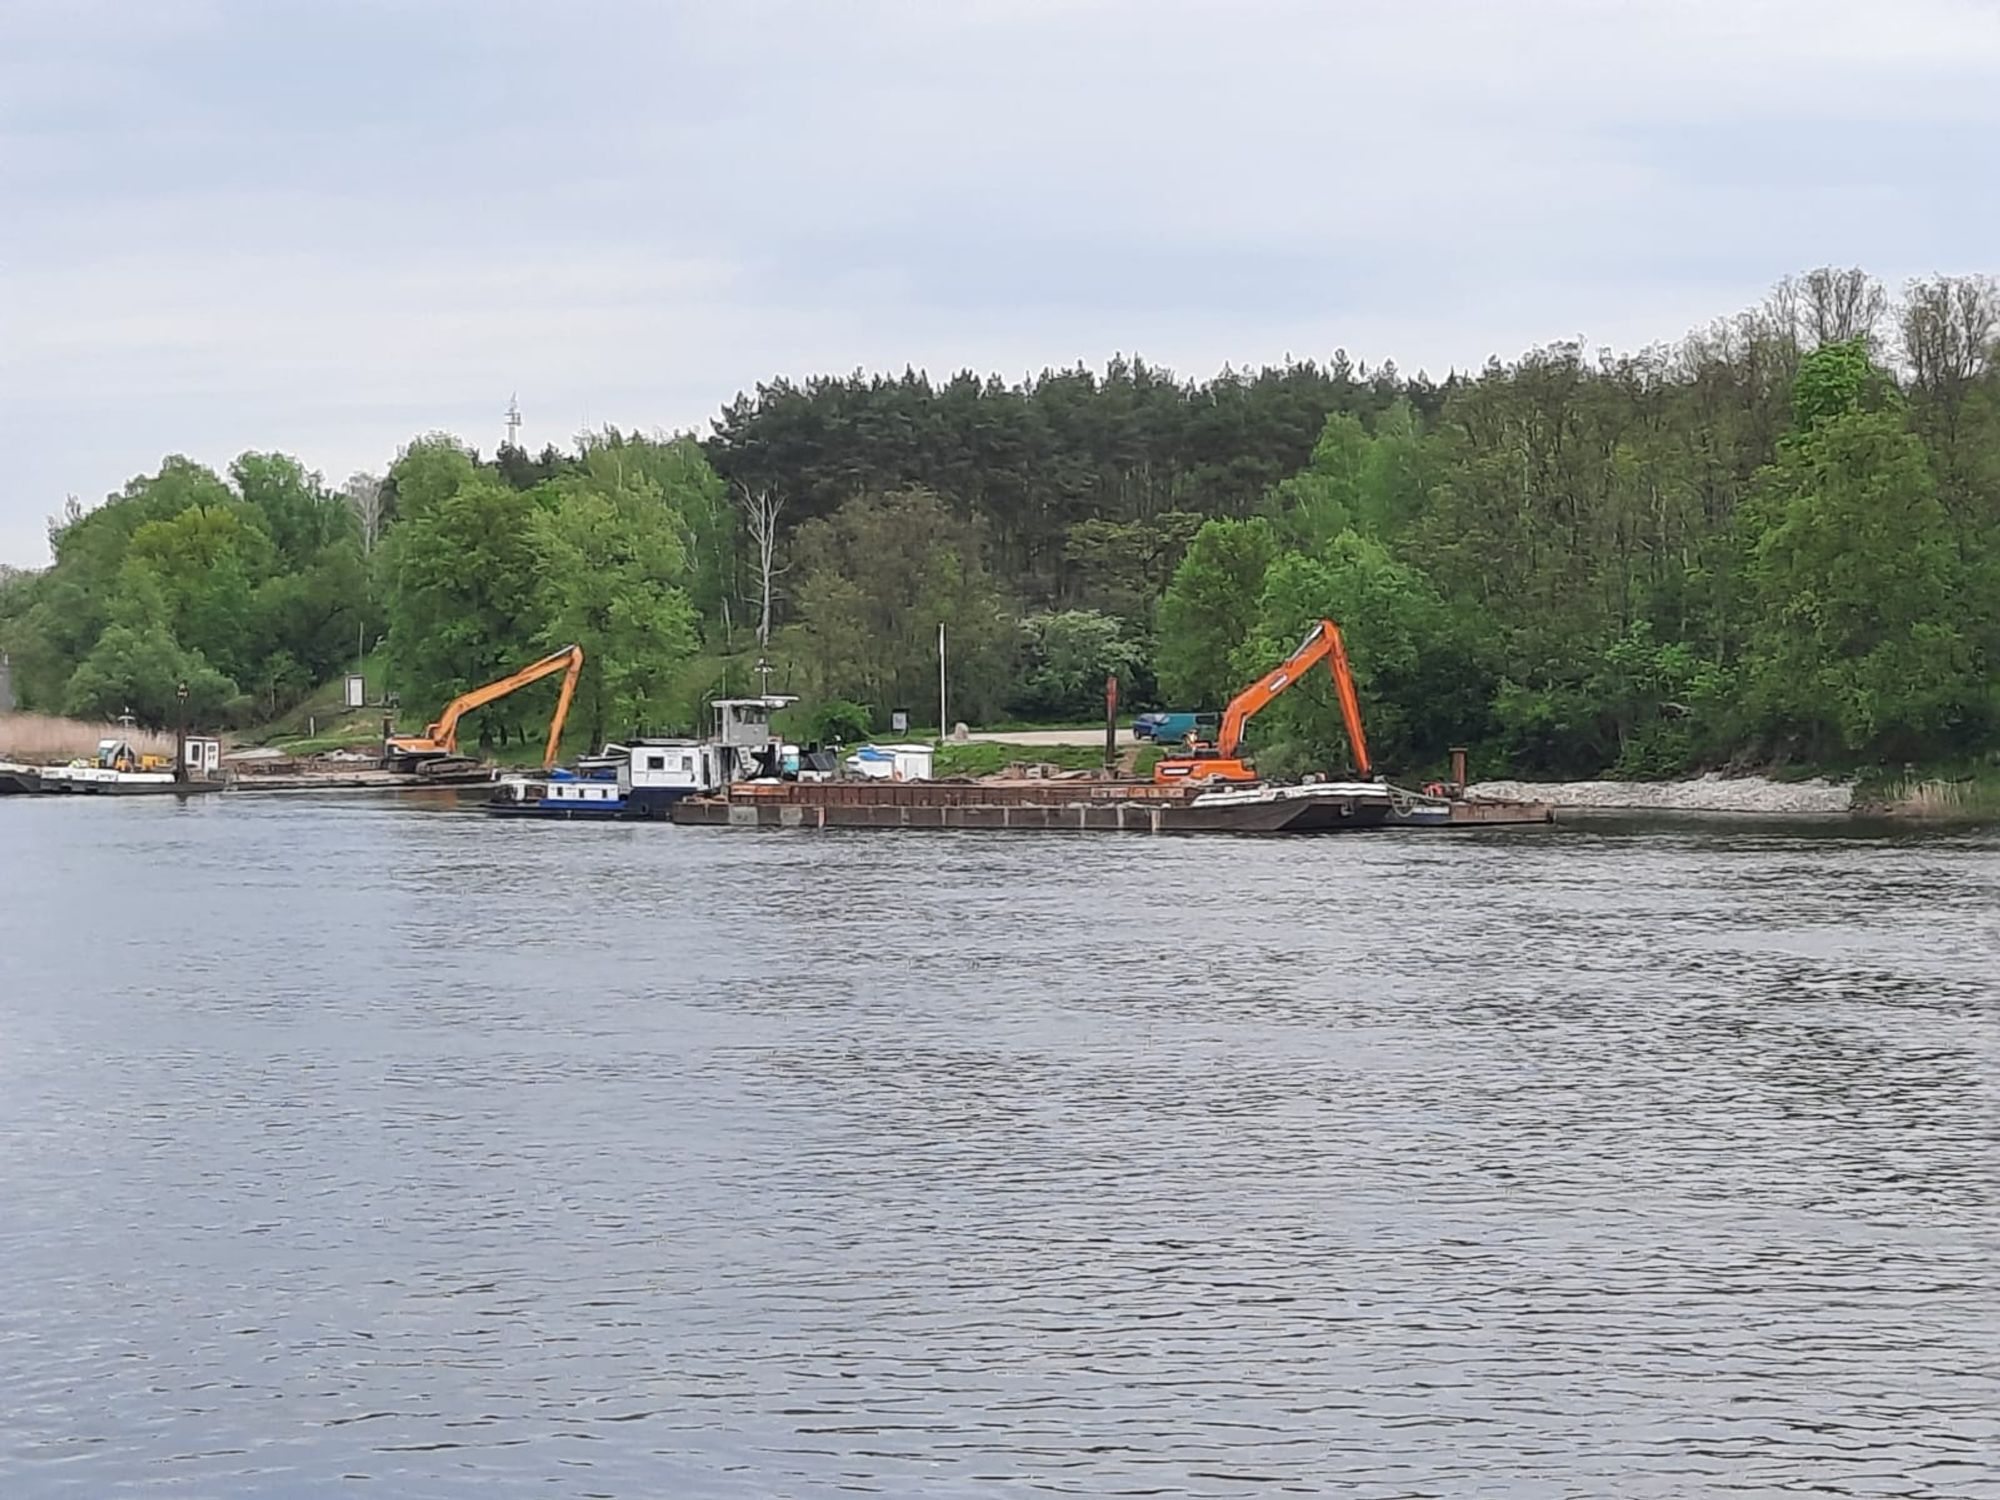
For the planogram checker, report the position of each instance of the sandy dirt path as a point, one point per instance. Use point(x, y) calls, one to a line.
point(1050, 737)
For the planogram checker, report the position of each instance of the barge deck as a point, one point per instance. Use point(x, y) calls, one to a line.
point(1094, 807)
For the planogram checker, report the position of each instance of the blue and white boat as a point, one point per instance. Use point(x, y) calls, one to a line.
point(645, 778)
point(557, 794)
point(640, 780)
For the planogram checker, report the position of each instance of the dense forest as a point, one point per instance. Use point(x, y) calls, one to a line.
point(1776, 540)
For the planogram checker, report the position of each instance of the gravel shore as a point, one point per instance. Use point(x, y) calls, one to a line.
point(1710, 793)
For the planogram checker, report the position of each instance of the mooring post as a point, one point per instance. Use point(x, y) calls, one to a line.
point(1111, 724)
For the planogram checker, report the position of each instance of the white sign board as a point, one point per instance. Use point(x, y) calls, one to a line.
point(357, 691)
point(899, 722)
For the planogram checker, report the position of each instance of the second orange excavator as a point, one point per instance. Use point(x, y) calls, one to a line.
point(439, 742)
point(1222, 761)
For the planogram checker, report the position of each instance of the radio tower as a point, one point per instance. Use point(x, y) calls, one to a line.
point(514, 421)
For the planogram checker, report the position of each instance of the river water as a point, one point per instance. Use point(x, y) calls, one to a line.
point(357, 1148)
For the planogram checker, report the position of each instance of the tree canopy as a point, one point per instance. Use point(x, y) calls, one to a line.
point(1778, 538)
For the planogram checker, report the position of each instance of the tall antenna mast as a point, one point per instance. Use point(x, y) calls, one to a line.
point(514, 421)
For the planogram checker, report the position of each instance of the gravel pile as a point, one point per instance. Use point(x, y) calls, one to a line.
point(1710, 793)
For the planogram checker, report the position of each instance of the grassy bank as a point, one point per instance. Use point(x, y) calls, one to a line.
point(323, 721)
point(1965, 793)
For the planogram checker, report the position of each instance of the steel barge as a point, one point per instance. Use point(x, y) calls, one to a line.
point(1095, 806)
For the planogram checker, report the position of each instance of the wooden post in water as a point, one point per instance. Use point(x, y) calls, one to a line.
point(1111, 724)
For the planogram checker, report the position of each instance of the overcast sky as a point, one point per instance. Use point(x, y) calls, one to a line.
point(327, 227)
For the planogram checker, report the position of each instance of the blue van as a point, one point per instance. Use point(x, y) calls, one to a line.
point(1171, 729)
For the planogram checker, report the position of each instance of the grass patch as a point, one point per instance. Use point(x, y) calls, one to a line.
point(323, 721)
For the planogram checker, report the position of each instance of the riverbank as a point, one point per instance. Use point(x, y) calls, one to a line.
point(1964, 795)
point(1710, 793)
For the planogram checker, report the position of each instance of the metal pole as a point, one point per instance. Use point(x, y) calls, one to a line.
point(180, 731)
point(1111, 723)
point(944, 722)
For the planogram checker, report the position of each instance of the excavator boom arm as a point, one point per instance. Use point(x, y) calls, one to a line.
point(1323, 642)
point(569, 661)
point(563, 700)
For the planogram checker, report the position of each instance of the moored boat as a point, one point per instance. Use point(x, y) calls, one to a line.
point(18, 779)
point(557, 794)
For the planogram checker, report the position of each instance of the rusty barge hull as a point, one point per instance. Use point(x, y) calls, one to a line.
point(1083, 808)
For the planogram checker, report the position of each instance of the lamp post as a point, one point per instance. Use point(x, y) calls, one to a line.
point(180, 730)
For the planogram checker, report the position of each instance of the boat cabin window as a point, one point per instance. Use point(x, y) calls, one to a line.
point(656, 763)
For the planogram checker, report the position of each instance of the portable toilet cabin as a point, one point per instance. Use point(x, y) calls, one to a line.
point(201, 758)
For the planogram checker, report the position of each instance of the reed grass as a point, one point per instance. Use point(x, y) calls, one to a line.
point(1967, 796)
point(40, 739)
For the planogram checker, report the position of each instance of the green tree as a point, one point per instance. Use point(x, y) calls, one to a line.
point(876, 579)
point(141, 670)
point(1066, 658)
point(839, 722)
point(1861, 638)
point(1417, 670)
point(465, 601)
point(1660, 702)
point(1121, 567)
point(1209, 609)
point(1836, 380)
point(300, 515)
point(429, 471)
point(196, 576)
point(608, 571)
point(676, 474)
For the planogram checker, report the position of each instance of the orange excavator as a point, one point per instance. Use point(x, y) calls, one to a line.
point(439, 742)
point(1221, 762)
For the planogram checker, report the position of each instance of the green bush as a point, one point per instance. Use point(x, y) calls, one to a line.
point(839, 721)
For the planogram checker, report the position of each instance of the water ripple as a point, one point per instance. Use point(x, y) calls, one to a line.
point(365, 1149)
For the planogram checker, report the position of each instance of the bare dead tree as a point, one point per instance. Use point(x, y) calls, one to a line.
point(1830, 305)
point(363, 493)
point(71, 513)
point(761, 509)
point(1949, 326)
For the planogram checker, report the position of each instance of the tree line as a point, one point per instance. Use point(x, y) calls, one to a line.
point(1778, 538)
